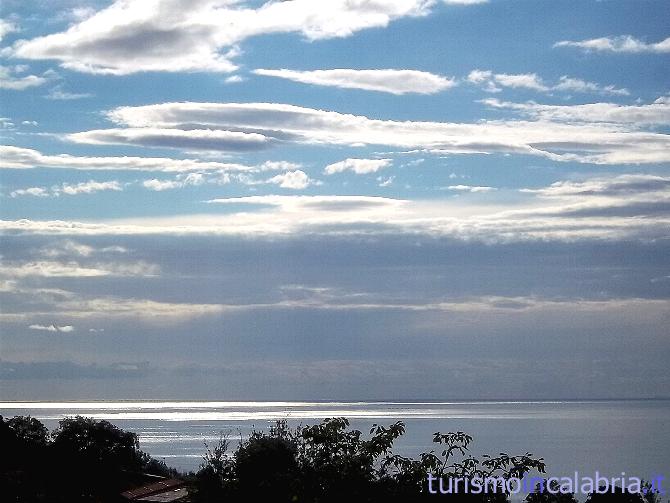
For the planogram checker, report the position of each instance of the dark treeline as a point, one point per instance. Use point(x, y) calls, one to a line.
point(85, 460)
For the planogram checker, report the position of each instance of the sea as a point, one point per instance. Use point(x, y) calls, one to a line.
point(610, 437)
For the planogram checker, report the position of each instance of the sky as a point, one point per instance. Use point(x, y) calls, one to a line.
point(347, 199)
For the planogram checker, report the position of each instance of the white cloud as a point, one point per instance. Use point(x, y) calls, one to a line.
point(470, 188)
point(192, 179)
point(234, 79)
point(587, 140)
point(6, 123)
point(52, 328)
point(70, 248)
point(72, 269)
point(387, 80)
point(7, 27)
point(131, 308)
point(9, 80)
point(31, 191)
point(24, 158)
point(57, 93)
point(358, 166)
point(296, 180)
point(622, 43)
point(89, 187)
point(526, 80)
point(656, 113)
point(163, 36)
point(291, 179)
point(492, 82)
point(385, 182)
point(581, 86)
point(160, 185)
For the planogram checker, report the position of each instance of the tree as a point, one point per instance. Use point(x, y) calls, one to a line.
point(95, 458)
point(29, 430)
point(541, 494)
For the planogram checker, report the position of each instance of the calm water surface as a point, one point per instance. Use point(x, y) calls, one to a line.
point(608, 436)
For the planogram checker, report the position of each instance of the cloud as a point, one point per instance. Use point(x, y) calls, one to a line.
point(89, 187)
point(295, 180)
point(620, 186)
point(31, 191)
point(7, 27)
point(589, 139)
point(622, 44)
point(196, 139)
point(69, 247)
point(292, 179)
point(527, 80)
point(53, 328)
point(634, 208)
point(162, 36)
point(492, 82)
point(629, 195)
point(335, 204)
point(72, 269)
point(71, 371)
point(24, 158)
point(124, 308)
point(10, 81)
point(656, 113)
point(470, 188)
point(57, 93)
point(6, 123)
point(581, 86)
point(325, 300)
point(388, 80)
point(385, 182)
point(358, 166)
point(234, 79)
point(191, 179)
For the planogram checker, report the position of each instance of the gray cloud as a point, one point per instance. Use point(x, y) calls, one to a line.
point(198, 139)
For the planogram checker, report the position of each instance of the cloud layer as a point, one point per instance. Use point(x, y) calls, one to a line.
point(627, 207)
point(603, 133)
